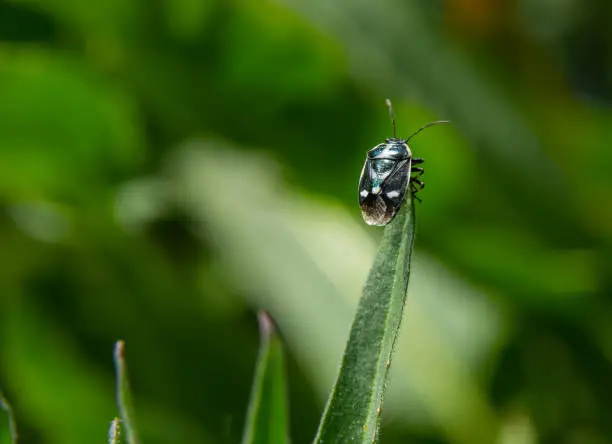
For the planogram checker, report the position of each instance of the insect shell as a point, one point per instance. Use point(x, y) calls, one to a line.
point(386, 176)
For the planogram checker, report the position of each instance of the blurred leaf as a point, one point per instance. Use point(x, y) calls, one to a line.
point(353, 410)
point(12, 426)
point(186, 19)
point(64, 131)
point(101, 20)
point(312, 62)
point(124, 395)
point(62, 394)
point(267, 415)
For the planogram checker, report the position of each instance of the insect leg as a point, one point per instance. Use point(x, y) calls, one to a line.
point(413, 191)
point(418, 170)
point(417, 160)
point(416, 184)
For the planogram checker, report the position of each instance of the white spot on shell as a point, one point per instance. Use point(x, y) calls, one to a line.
point(392, 194)
point(364, 193)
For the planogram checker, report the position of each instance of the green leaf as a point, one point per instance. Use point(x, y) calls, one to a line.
point(114, 432)
point(353, 409)
point(12, 426)
point(46, 370)
point(266, 421)
point(124, 395)
point(65, 130)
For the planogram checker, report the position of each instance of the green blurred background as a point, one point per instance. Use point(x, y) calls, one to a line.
point(167, 167)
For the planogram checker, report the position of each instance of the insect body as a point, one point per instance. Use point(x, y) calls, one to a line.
point(387, 174)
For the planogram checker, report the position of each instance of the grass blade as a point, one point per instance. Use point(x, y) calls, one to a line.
point(114, 431)
point(124, 396)
point(353, 409)
point(12, 425)
point(266, 421)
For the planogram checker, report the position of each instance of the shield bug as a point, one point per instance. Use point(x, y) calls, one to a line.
point(387, 174)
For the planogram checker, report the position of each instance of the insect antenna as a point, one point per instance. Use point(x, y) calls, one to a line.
point(437, 122)
point(390, 105)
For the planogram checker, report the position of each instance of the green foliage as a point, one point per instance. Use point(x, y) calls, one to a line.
point(124, 395)
point(167, 168)
point(353, 410)
point(11, 436)
point(114, 433)
point(267, 417)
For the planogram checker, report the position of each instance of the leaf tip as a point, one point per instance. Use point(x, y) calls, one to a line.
point(266, 325)
point(120, 350)
point(6, 406)
point(114, 431)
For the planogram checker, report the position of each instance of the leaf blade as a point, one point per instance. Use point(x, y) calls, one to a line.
point(12, 425)
point(353, 410)
point(266, 421)
point(114, 431)
point(124, 395)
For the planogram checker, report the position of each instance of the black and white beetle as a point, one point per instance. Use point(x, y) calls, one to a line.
point(386, 175)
